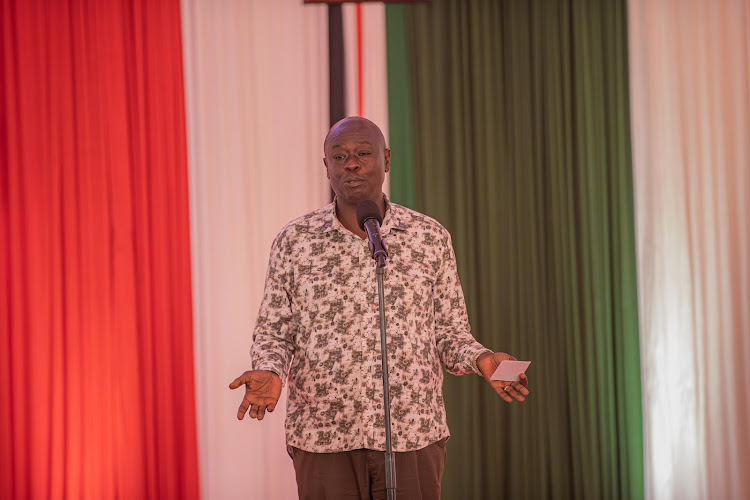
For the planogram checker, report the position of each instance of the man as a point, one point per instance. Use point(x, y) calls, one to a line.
point(320, 315)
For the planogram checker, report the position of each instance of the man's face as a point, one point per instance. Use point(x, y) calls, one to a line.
point(356, 161)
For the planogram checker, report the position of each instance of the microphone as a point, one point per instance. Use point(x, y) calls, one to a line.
point(369, 219)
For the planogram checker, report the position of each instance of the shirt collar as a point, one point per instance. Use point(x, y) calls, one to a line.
point(392, 219)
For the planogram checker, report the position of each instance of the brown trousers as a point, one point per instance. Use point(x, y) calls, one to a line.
point(360, 474)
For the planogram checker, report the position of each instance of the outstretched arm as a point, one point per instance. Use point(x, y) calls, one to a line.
point(262, 392)
point(488, 363)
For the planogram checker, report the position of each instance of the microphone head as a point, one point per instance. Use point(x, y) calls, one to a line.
point(368, 209)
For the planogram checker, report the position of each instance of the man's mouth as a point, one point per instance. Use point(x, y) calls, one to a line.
point(353, 181)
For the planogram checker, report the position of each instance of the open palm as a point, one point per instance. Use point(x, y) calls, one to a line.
point(262, 392)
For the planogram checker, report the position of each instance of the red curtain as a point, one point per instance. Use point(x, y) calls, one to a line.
point(96, 361)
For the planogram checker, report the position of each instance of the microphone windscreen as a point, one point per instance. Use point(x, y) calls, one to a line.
point(368, 209)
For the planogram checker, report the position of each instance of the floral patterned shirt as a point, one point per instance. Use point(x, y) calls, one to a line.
point(318, 329)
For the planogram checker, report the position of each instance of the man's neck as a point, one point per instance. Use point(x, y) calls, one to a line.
point(347, 215)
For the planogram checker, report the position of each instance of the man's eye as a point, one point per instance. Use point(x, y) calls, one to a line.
point(364, 153)
point(338, 157)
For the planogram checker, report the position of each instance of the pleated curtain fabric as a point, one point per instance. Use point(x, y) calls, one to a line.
point(257, 101)
point(400, 121)
point(136, 220)
point(96, 359)
point(256, 82)
point(522, 150)
point(365, 63)
point(690, 86)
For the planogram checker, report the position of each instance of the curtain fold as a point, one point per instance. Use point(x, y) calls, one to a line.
point(365, 65)
point(365, 62)
point(96, 392)
point(690, 93)
point(401, 140)
point(522, 150)
point(256, 81)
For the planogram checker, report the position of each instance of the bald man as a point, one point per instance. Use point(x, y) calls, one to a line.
point(318, 332)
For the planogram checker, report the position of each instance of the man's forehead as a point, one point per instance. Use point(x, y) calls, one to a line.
point(336, 143)
point(358, 130)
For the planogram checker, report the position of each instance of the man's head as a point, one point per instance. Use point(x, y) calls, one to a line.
point(356, 160)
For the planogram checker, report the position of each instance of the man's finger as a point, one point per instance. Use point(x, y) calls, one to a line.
point(243, 409)
point(499, 389)
point(271, 407)
point(253, 411)
point(261, 412)
point(515, 390)
point(236, 383)
point(514, 394)
point(518, 386)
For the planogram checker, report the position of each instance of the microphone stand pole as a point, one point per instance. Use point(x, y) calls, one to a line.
point(390, 464)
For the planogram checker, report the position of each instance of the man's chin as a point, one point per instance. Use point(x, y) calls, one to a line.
point(354, 197)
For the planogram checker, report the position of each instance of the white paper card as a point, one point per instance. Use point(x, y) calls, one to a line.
point(510, 370)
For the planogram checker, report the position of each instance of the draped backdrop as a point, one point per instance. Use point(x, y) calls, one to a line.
point(256, 81)
point(96, 392)
point(523, 152)
point(690, 82)
point(589, 158)
point(256, 86)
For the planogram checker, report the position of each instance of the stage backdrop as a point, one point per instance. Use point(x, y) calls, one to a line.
point(97, 390)
point(690, 85)
point(257, 105)
point(96, 382)
point(522, 150)
point(256, 79)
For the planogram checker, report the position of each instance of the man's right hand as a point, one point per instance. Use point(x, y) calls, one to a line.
point(262, 392)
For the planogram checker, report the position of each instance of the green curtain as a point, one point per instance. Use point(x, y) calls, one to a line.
point(521, 147)
point(400, 136)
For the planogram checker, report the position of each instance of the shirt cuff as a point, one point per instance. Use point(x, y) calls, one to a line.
point(476, 359)
point(270, 367)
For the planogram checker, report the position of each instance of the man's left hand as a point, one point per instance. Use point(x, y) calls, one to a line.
point(508, 390)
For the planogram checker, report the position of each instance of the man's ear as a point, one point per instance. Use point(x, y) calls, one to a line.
point(387, 160)
point(325, 162)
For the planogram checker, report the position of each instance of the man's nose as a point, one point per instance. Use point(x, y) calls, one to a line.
point(352, 163)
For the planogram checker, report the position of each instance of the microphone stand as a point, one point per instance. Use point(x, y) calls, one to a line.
point(390, 464)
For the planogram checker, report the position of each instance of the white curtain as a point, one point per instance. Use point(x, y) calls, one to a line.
point(365, 47)
point(690, 109)
point(256, 82)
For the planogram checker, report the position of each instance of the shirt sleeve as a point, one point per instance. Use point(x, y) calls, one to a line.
point(457, 347)
point(273, 337)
